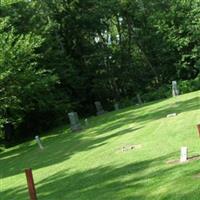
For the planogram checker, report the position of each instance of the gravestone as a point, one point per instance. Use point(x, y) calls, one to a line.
point(171, 115)
point(74, 121)
point(99, 108)
point(116, 106)
point(86, 122)
point(37, 139)
point(184, 154)
point(9, 131)
point(139, 99)
point(175, 91)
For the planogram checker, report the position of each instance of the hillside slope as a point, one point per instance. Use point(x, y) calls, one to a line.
point(102, 163)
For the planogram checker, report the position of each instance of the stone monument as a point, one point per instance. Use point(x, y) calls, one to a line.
point(9, 131)
point(74, 121)
point(99, 108)
point(116, 106)
point(184, 154)
point(86, 122)
point(37, 139)
point(175, 91)
point(139, 99)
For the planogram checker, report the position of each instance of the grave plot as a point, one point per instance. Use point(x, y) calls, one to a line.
point(129, 147)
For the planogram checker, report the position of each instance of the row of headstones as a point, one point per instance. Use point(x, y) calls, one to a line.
point(75, 124)
point(183, 153)
point(73, 116)
point(74, 119)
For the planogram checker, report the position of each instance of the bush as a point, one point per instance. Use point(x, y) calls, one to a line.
point(160, 93)
point(189, 85)
point(165, 90)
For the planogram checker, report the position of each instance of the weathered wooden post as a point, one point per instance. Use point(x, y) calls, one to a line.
point(198, 127)
point(31, 185)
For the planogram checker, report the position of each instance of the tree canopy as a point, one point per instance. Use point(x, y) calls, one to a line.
point(62, 55)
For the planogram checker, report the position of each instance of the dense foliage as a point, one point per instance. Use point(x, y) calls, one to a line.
point(62, 55)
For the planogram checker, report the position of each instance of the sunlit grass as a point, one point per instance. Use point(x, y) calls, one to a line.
point(91, 165)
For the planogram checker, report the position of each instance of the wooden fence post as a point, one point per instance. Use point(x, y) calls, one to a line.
point(198, 127)
point(31, 185)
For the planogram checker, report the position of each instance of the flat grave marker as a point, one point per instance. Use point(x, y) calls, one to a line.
point(129, 147)
point(171, 115)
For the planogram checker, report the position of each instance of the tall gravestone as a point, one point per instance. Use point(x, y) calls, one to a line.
point(175, 91)
point(116, 106)
point(9, 131)
point(37, 139)
point(74, 121)
point(99, 108)
point(139, 99)
point(86, 122)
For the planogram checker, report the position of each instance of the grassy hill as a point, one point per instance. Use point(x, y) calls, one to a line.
point(98, 163)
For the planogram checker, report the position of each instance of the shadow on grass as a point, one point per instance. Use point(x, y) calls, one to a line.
point(56, 151)
point(60, 147)
point(129, 182)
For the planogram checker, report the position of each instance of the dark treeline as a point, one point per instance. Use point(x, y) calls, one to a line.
point(62, 55)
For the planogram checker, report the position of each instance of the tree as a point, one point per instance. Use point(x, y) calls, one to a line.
point(24, 86)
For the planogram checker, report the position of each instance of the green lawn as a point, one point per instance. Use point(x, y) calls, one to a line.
point(90, 165)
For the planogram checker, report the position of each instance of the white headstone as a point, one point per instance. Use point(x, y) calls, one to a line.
point(184, 154)
point(37, 139)
point(175, 91)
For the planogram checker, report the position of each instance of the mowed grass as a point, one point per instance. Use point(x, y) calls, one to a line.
point(89, 165)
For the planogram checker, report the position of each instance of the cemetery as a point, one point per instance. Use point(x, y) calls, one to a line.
point(99, 100)
point(132, 153)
